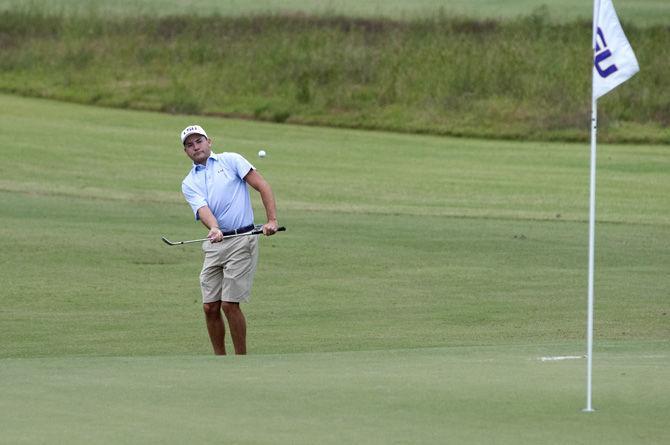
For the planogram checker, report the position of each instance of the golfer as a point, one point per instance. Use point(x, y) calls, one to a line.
point(216, 189)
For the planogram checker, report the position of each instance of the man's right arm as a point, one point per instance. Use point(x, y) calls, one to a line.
point(209, 221)
point(201, 210)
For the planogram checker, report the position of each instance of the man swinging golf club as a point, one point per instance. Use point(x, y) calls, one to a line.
point(216, 189)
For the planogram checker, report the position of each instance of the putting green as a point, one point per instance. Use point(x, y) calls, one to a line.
point(441, 395)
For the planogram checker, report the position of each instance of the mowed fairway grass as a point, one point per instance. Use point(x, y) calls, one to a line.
point(419, 285)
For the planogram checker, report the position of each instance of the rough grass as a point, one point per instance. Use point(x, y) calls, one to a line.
point(640, 12)
point(526, 78)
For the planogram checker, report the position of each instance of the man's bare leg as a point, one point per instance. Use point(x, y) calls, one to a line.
point(215, 327)
point(238, 326)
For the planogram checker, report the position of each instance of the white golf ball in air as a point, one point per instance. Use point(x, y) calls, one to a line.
point(261, 154)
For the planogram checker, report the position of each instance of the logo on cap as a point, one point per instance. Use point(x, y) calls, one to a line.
point(192, 129)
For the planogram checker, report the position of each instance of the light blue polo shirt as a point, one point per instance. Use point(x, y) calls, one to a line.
point(220, 185)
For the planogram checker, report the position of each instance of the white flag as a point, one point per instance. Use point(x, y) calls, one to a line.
point(614, 61)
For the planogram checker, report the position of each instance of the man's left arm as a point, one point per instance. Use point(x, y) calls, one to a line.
point(254, 179)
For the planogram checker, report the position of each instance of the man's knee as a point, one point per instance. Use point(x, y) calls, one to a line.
point(212, 309)
point(230, 307)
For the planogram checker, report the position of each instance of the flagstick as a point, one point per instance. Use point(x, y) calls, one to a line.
point(592, 233)
point(592, 224)
point(615, 63)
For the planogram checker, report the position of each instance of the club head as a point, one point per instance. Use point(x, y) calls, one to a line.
point(168, 242)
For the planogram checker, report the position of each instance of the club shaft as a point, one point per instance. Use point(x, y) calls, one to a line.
point(253, 232)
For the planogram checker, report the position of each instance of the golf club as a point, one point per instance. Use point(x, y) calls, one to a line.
point(258, 230)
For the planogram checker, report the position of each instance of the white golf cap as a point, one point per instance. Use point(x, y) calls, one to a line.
point(192, 129)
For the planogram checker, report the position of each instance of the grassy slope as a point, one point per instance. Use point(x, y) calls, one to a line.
point(641, 12)
point(441, 76)
point(395, 243)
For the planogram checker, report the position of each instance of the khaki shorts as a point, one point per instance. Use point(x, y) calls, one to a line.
point(228, 269)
